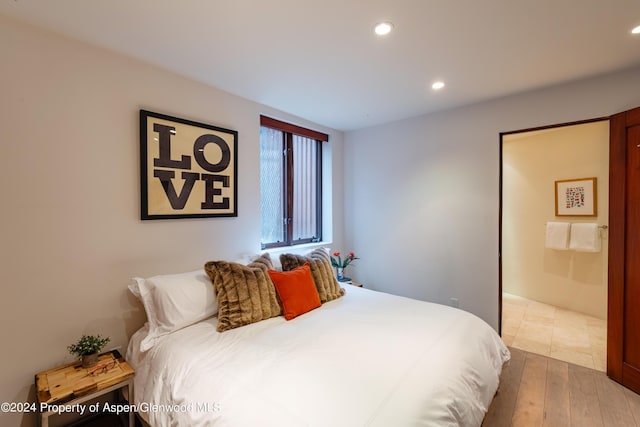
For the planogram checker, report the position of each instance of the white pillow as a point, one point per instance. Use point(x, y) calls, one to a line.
point(174, 301)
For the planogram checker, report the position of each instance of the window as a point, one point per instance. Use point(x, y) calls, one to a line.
point(290, 183)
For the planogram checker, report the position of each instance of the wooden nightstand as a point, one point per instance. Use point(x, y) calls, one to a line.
point(71, 385)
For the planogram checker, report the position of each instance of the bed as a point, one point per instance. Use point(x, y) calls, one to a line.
point(365, 358)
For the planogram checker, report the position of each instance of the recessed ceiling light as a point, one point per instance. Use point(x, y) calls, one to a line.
point(383, 28)
point(437, 85)
point(636, 30)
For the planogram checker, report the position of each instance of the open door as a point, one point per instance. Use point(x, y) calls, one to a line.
point(623, 336)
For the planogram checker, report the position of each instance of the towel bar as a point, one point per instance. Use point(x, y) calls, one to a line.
point(604, 227)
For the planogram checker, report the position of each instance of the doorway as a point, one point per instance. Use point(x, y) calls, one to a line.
point(553, 301)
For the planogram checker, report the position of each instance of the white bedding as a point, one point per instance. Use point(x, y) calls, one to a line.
point(367, 358)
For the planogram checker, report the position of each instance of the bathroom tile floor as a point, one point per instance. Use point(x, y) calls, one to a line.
point(554, 332)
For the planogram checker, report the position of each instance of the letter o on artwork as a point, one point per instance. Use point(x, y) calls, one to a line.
point(198, 153)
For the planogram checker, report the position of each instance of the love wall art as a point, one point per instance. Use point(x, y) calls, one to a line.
point(187, 169)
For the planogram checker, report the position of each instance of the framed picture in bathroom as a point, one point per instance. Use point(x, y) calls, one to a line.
point(577, 197)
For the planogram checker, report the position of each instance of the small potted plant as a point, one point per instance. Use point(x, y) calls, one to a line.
point(87, 348)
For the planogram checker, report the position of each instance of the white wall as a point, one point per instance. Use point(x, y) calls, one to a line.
point(532, 162)
point(422, 195)
point(71, 233)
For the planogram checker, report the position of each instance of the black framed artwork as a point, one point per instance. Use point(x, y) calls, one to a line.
point(187, 169)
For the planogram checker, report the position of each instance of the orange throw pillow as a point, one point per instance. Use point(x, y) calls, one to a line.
point(296, 290)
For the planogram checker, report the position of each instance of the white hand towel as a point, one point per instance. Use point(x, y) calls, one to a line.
point(557, 236)
point(585, 237)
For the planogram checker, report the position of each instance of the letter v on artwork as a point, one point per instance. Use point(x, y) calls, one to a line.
point(166, 178)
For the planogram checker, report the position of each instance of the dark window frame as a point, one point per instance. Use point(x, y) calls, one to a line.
point(289, 130)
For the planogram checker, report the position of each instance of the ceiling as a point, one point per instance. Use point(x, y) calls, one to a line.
point(321, 61)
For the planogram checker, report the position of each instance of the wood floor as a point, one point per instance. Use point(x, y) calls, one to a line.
point(539, 391)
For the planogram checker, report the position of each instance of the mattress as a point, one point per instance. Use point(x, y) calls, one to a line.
point(368, 358)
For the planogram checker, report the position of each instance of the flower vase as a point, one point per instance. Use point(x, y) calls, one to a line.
point(340, 274)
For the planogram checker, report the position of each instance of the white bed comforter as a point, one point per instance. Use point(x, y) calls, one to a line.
point(367, 359)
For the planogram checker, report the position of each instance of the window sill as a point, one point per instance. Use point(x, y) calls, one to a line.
point(297, 249)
